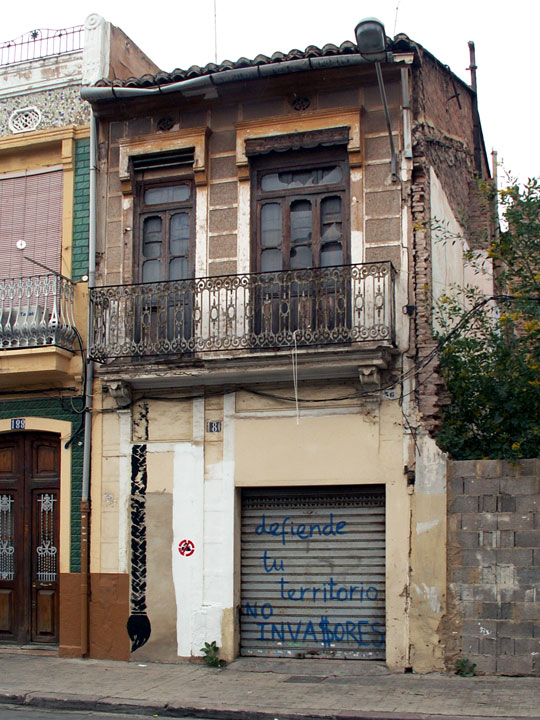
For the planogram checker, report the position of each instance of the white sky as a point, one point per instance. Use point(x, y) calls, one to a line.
point(181, 33)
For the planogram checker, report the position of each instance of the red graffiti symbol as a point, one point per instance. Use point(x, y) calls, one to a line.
point(186, 548)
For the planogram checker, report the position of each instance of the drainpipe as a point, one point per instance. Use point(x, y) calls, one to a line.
point(85, 494)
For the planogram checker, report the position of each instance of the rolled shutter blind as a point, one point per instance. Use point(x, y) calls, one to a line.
point(31, 210)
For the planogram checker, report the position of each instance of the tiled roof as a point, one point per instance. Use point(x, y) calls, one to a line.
point(400, 44)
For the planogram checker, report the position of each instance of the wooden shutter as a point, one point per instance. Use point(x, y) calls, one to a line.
point(31, 210)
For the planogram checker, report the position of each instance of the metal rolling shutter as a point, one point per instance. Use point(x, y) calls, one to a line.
point(31, 210)
point(313, 572)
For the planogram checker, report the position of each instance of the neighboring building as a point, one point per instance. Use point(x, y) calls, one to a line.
point(260, 320)
point(44, 234)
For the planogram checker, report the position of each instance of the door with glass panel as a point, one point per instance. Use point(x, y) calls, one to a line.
point(301, 246)
point(164, 316)
point(29, 537)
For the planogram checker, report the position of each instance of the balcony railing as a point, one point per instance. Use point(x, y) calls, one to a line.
point(40, 44)
point(36, 311)
point(251, 312)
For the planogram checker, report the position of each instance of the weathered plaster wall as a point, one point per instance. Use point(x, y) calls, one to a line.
point(493, 616)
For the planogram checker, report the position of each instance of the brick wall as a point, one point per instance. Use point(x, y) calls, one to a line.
point(79, 262)
point(493, 616)
point(59, 410)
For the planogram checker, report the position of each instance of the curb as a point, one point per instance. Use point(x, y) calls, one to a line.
point(84, 702)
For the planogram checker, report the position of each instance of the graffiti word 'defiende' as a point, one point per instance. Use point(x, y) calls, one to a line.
point(287, 528)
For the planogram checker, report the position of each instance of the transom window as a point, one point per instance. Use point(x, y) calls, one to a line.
point(300, 203)
point(165, 232)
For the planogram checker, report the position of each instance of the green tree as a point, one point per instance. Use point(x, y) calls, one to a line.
point(490, 346)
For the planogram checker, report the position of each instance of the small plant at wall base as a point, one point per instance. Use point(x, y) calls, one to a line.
point(210, 653)
point(490, 348)
point(465, 668)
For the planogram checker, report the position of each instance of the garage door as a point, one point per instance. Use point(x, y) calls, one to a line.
point(313, 572)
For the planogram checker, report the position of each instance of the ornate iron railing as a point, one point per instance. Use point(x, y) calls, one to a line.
point(41, 43)
point(319, 306)
point(36, 311)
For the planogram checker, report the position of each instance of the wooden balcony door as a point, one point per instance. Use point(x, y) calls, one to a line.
point(29, 535)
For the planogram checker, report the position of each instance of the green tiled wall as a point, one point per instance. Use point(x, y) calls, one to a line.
point(79, 263)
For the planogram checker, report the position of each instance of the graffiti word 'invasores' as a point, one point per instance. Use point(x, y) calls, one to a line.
point(326, 591)
point(288, 528)
point(362, 632)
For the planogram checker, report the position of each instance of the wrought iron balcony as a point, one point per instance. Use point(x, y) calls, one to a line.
point(251, 312)
point(39, 44)
point(36, 311)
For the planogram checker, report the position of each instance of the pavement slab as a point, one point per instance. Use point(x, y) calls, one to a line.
point(259, 689)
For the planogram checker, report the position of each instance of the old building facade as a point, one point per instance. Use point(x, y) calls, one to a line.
point(262, 470)
point(44, 230)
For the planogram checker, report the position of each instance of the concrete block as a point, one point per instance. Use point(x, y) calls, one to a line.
point(519, 629)
point(489, 469)
point(222, 268)
point(485, 664)
point(222, 246)
point(479, 558)
point(488, 503)
point(480, 629)
point(467, 539)
point(464, 468)
point(470, 646)
point(378, 148)
point(224, 116)
point(527, 646)
point(524, 485)
point(491, 611)
point(528, 538)
point(375, 120)
point(536, 557)
point(507, 611)
point(505, 646)
point(221, 142)
point(385, 253)
point(515, 521)
point(506, 503)
point(225, 193)
point(338, 98)
point(465, 504)
point(528, 576)
point(223, 221)
point(515, 556)
point(382, 203)
point(223, 167)
point(528, 503)
point(455, 485)
point(377, 176)
point(382, 230)
point(479, 521)
point(514, 665)
point(481, 485)
point(488, 646)
point(192, 118)
point(507, 538)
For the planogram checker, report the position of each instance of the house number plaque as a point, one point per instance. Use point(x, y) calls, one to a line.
point(18, 423)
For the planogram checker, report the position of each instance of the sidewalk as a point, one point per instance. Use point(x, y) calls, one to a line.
point(262, 689)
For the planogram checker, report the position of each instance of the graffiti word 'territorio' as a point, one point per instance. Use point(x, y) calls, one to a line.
point(329, 590)
point(302, 531)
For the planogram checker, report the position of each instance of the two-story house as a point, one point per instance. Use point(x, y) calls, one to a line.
point(44, 248)
point(263, 474)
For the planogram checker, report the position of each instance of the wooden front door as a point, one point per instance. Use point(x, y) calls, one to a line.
point(29, 535)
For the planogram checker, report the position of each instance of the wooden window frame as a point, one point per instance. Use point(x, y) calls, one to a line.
point(165, 211)
point(296, 160)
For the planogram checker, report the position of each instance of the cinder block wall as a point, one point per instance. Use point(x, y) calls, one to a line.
point(493, 616)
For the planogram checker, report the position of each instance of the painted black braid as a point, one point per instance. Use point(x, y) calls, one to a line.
point(138, 529)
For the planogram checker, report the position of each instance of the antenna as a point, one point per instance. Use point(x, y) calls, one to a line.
point(215, 31)
point(395, 19)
